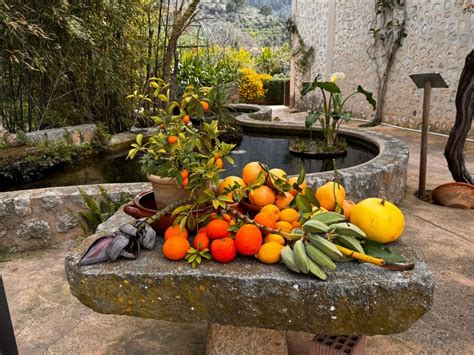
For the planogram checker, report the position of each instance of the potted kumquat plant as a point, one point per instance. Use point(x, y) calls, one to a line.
point(180, 160)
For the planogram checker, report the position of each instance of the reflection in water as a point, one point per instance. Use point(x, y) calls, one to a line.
point(270, 150)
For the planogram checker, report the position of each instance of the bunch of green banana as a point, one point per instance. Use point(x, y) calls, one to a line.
point(325, 246)
point(346, 228)
point(289, 259)
point(328, 218)
point(312, 226)
point(296, 260)
point(346, 234)
point(317, 247)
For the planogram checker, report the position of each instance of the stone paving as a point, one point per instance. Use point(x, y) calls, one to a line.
point(49, 320)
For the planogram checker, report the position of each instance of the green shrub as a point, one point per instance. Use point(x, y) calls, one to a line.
point(275, 91)
point(99, 209)
point(251, 86)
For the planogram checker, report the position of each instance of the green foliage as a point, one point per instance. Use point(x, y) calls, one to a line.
point(66, 63)
point(195, 151)
point(266, 10)
point(332, 113)
point(210, 69)
point(21, 137)
point(274, 60)
point(275, 91)
point(251, 86)
point(99, 209)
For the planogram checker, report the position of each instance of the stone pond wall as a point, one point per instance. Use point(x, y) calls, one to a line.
point(75, 135)
point(33, 219)
point(440, 36)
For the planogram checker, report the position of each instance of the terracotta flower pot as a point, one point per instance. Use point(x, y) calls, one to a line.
point(144, 206)
point(166, 191)
point(454, 194)
point(252, 210)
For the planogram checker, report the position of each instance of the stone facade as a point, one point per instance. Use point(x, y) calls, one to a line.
point(440, 36)
point(33, 219)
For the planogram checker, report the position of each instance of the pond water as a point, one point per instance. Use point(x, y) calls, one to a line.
point(271, 150)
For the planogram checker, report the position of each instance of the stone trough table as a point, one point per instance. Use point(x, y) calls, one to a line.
point(356, 299)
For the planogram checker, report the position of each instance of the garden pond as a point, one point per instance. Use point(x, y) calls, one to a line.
point(271, 150)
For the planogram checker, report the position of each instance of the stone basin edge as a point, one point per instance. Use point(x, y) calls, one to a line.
point(384, 175)
point(357, 299)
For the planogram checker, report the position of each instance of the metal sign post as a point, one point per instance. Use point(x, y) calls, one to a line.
point(427, 81)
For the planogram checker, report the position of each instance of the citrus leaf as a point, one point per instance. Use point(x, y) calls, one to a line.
point(378, 250)
point(303, 204)
point(309, 194)
point(302, 175)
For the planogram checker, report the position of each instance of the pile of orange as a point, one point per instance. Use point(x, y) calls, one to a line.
point(285, 220)
point(277, 212)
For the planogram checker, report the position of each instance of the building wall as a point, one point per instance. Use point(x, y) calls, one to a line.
point(440, 36)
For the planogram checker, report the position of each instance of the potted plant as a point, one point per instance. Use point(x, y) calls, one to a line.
point(330, 116)
point(180, 160)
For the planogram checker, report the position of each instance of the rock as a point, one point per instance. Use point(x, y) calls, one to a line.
point(80, 134)
point(67, 222)
point(4, 210)
point(50, 201)
point(22, 206)
point(34, 229)
point(77, 199)
point(226, 339)
point(356, 299)
point(3, 230)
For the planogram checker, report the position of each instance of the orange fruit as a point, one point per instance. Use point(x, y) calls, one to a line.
point(226, 217)
point(330, 193)
point(217, 229)
point(185, 182)
point(284, 226)
point(271, 210)
point(176, 248)
point(201, 241)
point(283, 200)
point(275, 238)
point(174, 231)
point(289, 215)
point(205, 106)
point(347, 206)
point(276, 173)
point(184, 174)
point(265, 219)
point(248, 239)
point(296, 224)
point(219, 163)
point(293, 181)
point(172, 139)
point(223, 250)
point(251, 171)
point(186, 119)
point(228, 182)
point(261, 196)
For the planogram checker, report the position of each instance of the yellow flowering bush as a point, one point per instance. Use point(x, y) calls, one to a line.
point(251, 86)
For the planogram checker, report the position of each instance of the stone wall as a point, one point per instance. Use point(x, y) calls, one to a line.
point(33, 219)
point(440, 36)
point(75, 135)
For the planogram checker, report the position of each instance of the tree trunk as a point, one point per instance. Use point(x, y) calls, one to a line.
point(454, 151)
point(180, 22)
